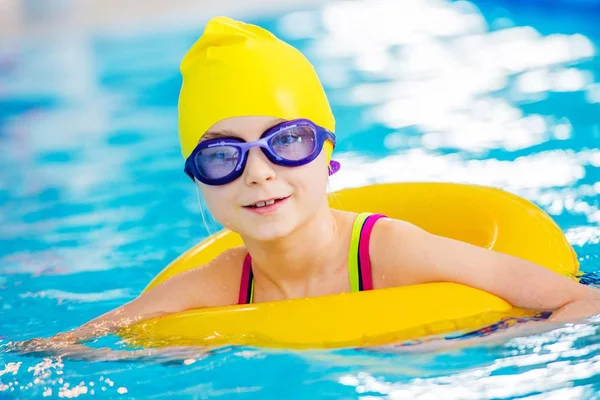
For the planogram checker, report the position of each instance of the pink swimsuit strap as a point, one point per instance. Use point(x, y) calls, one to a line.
point(245, 296)
point(365, 275)
point(364, 264)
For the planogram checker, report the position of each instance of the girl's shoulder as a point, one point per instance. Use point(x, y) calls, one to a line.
point(223, 275)
point(392, 248)
point(229, 260)
point(214, 284)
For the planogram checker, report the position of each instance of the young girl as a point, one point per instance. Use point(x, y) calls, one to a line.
point(256, 133)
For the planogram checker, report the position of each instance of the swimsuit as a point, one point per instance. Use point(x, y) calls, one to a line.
point(359, 261)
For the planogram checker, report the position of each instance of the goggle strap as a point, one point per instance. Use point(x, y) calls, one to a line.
point(190, 175)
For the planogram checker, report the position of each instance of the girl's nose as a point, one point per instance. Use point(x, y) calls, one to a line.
point(258, 168)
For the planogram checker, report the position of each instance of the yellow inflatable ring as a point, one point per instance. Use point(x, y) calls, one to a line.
point(483, 216)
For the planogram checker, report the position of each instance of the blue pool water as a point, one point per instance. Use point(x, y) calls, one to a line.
point(93, 201)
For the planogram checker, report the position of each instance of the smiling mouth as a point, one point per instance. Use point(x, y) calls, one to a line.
point(265, 203)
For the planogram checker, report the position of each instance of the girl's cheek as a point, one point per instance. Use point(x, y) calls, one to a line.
point(217, 202)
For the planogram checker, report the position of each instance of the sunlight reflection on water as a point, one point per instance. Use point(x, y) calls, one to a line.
point(93, 201)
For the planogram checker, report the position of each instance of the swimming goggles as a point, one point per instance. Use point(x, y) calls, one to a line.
point(290, 144)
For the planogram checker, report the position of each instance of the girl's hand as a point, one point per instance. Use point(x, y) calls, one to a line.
point(54, 346)
point(69, 350)
point(61, 346)
point(39, 344)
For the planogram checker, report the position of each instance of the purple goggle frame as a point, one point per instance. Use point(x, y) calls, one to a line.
point(193, 167)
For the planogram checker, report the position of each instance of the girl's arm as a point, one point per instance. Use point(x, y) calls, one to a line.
point(208, 286)
point(419, 257)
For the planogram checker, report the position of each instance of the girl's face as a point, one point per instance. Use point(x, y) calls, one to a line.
point(298, 191)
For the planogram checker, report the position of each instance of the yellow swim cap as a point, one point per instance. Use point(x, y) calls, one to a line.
point(237, 69)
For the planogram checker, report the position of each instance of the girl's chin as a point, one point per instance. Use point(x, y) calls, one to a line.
point(269, 231)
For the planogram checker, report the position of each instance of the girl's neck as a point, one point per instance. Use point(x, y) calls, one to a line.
point(290, 263)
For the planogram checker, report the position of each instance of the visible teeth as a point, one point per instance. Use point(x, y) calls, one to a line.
point(264, 203)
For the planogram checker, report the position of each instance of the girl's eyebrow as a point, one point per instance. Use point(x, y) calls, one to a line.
point(225, 133)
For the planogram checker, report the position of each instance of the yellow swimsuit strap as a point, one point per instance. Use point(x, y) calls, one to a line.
point(353, 259)
point(359, 257)
point(359, 265)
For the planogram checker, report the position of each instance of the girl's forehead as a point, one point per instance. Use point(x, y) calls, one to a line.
point(246, 127)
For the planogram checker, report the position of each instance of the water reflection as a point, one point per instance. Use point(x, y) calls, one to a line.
point(93, 201)
point(546, 363)
point(459, 83)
